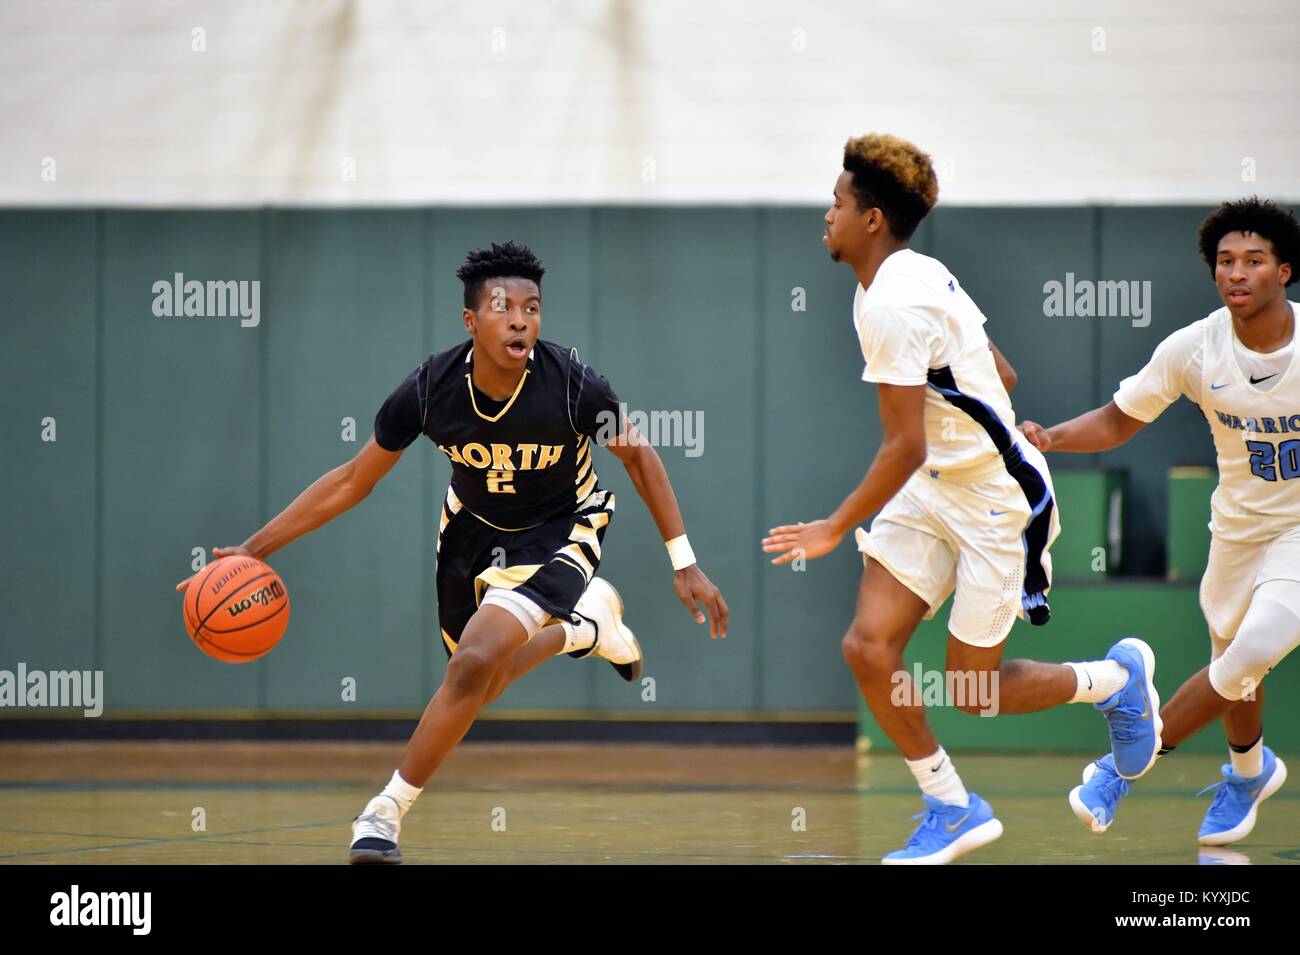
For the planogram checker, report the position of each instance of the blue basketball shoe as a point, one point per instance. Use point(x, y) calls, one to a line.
point(1231, 816)
point(1134, 712)
point(1094, 802)
point(946, 832)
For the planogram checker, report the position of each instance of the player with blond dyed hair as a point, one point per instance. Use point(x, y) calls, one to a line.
point(964, 503)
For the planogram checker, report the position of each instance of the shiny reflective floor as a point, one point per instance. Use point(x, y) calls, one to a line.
point(276, 803)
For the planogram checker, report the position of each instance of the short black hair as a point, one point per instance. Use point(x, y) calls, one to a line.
point(507, 261)
point(1260, 216)
point(894, 176)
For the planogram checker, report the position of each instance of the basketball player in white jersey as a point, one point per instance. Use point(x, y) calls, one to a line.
point(964, 503)
point(1237, 365)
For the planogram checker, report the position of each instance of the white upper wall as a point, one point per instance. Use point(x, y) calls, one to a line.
point(613, 101)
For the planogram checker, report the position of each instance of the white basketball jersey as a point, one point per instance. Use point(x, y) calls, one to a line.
point(917, 326)
point(1253, 415)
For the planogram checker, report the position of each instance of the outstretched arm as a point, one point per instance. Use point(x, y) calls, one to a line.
point(329, 496)
point(902, 414)
point(650, 479)
point(1098, 430)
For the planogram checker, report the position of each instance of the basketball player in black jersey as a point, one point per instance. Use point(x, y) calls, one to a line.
point(522, 524)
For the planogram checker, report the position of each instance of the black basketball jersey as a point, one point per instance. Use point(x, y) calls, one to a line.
point(518, 462)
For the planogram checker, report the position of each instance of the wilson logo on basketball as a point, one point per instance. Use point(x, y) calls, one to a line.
point(227, 578)
point(263, 597)
point(256, 602)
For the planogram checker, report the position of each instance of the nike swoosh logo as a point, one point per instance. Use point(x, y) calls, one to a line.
point(1217, 387)
point(958, 824)
point(1254, 794)
point(1255, 381)
point(1089, 676)
point(1146, 703)
point(996, 513)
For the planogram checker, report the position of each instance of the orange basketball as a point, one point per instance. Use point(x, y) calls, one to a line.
point(236, 609)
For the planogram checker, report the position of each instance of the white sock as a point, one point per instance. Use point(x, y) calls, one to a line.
point(1250, 763)
point(1097, 680)
point(937, 777)
point(579, 636)
point(401, 792)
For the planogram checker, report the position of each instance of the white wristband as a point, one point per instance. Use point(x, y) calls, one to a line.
point(680, 553)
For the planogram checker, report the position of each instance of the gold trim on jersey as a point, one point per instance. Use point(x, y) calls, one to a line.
point(564, 560)
point(507, 578)
point(451, 644)
point(586, 479)
point(574, 552)
point(451, 506)
point(586, 535)
point(508, 530)
point(469, 383)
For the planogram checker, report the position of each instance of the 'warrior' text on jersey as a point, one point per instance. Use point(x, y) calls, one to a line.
point(518, 462)
point(1252, 404)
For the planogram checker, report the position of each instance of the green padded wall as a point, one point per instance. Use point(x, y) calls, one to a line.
point(1189, 521)
point(176, 433)
point(1090, 505)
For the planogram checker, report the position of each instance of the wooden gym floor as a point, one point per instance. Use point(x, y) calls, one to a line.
point(276, 803)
